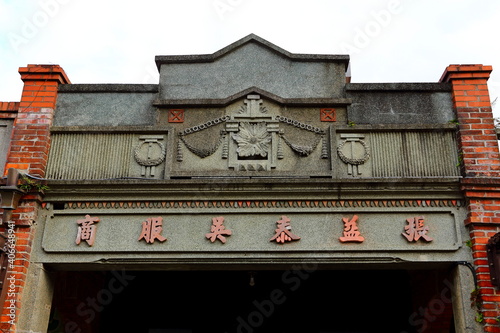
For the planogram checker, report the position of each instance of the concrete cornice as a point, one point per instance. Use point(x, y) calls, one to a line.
point(221, 102)
point(255, 188)
point(108, 88)
point(412, 86)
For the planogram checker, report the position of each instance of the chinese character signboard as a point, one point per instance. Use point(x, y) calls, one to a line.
point(323, 232)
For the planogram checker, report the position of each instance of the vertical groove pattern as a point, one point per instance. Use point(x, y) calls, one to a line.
point(90, 156)
point(414, 154)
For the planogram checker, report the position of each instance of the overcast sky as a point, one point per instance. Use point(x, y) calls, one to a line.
point(115, 41)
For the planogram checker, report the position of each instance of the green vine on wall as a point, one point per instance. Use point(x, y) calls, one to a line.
point(28, 184)
point(477, 303)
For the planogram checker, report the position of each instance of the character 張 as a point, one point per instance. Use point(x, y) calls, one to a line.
point(416, 229)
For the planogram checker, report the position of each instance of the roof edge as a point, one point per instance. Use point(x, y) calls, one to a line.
point(400, 86)
point(108, 88)
point(195, 58)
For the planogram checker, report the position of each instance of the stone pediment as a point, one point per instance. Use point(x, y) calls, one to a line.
point(251, 62)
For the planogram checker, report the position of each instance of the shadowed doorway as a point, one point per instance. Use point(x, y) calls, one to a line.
point(278, 301)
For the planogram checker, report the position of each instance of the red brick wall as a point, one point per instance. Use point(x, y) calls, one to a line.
point(481, 169)
point(29, 147)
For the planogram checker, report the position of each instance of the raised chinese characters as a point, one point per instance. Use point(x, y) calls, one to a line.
point(283, 231)
point(87, 230)
point(218, 230)
point(351, 231)
point(416, 230)
point(151, 230)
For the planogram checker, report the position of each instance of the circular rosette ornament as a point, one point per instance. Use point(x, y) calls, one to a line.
point(252, 139)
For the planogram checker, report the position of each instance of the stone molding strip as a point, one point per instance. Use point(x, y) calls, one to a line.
point(111, 88)
point(417, 86)
point(222, 102)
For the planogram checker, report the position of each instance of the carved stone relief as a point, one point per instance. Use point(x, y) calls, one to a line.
point(198, 150)
point(252, 138)
point(149, 153)
point(353, 151)
point(305, 150)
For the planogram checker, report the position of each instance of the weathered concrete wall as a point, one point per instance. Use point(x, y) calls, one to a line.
point(400, 103)
point(106, 105)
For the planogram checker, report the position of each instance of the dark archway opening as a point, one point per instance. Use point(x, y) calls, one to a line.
point(278, 301)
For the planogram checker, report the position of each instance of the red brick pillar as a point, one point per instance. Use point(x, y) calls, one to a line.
point(480, 160)
point(29, 147)
point(31, 140)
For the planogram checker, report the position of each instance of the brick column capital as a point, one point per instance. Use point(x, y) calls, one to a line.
point(461, 72)
point(477, 134)
point(30, 142)
point(44, 72)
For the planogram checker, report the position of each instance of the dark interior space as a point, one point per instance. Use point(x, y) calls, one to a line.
point(279, 301)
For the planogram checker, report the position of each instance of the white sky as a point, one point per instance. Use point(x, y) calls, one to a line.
point(115, 41)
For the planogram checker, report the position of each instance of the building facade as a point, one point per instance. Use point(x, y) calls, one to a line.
point(254, 190)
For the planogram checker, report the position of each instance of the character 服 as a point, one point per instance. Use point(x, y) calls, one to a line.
point(151, 230)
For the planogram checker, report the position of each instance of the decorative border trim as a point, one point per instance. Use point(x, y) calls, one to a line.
point(261, 204)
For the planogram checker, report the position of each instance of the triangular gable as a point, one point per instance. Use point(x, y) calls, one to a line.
point(251, 62)
point(251, 38)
